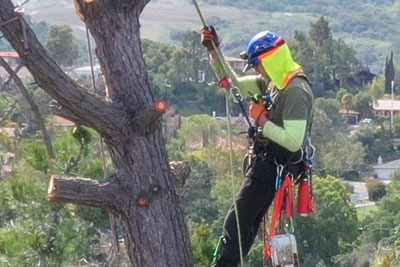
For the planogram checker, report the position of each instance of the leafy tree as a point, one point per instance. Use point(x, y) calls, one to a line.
point(340, 94)
point(376, 142)
point(346, 101)
point(343, 155)
point(377, 88)
point(327, 61)
point(389, 74)
point(61, 45)
point(376, 190)
point(333, 227)
point(362, 102)
point(203, 245)
point(320, 31)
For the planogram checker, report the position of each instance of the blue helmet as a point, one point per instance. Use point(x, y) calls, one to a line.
point(258, 45)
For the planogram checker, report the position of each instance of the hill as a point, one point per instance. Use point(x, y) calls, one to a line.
point(372, 27)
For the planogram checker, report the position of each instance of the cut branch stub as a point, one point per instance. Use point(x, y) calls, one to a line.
point(83, 191)
point(146, 117)
point(181, 170)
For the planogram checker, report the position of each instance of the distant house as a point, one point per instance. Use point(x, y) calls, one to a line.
point(236, 63)
point(86, 72)
point(385, 171)
point(384, 107)
point(58, 121)
point(351, 115)
point(12, 58)
point(361, 78)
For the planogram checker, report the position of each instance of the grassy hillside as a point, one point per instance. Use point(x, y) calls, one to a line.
point(371, 26)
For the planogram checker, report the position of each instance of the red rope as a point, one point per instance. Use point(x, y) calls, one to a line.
point(285, 192)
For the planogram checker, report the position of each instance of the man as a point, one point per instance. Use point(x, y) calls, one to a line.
point(282, 131)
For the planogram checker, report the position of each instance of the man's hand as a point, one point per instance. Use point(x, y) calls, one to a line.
point(209, 34)
point(259, 112)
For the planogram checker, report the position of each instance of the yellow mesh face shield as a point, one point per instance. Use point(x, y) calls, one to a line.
point(280, 66)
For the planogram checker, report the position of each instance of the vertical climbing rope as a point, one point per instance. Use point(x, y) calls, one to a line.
point(233, 178)
point(220, 56)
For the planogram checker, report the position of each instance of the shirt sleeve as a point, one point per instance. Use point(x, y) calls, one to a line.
point(248, 85)
point(296, 108)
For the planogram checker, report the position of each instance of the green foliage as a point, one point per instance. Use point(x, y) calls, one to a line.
point(334, 225)
point(376, 142)
point(256, 255)
point(61, 45)
point(376, 190)
point(202, 178)
point(389, 74)
point(203, 245)
point(320, 32)
point(362, 102)
point(342, 156)
point(385, 219)
point(327, 61)
point(177, 75)
point(35, 154)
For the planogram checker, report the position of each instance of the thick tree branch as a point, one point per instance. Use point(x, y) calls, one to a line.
point(94, 111)
point(75, 190)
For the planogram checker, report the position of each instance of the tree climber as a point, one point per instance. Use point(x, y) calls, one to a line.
point(281, 131)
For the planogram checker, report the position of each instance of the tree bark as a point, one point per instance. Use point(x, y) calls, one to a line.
point(142, 191)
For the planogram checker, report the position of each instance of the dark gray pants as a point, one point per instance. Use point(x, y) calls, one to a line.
point(255, 196)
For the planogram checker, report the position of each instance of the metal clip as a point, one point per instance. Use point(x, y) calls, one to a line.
point(308, 148)
point(279, 171)
point(237, 95)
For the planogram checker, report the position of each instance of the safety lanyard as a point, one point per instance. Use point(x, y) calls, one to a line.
point(283, 205)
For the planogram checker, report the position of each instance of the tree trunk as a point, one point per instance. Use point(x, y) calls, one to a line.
point(142, 190)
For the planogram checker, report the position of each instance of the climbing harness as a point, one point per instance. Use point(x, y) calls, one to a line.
point(280, 246)
point(226, 85)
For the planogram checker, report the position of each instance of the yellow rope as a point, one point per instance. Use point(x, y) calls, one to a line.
point(232, 177)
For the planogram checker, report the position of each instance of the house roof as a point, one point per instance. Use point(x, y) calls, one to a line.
point(12, 54)
point(234, 59)
point(350, 112)
point(60, 121)
point(386, 104)
point(395, 164)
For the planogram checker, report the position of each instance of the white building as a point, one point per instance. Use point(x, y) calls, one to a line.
point(386, 171)
point(384, 107)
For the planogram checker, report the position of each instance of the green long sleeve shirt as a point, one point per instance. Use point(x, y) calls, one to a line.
point(292, 110)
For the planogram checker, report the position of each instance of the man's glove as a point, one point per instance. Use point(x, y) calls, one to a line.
point(209, 34)
point(259, 112)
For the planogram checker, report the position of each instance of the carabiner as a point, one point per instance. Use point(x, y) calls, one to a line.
point(279, 171)
point(236, 94)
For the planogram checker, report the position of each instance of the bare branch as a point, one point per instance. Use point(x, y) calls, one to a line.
point(75, 190)
point(34, 107)
point(7, 82)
